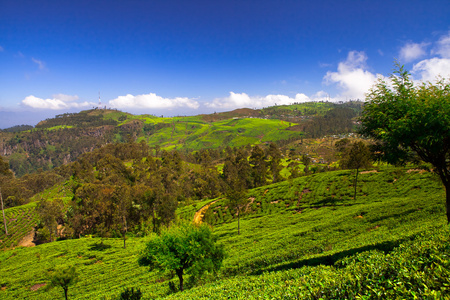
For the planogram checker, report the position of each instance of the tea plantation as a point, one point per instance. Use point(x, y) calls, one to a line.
point(305, 238)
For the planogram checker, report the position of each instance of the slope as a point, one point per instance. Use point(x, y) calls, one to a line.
point(298, 223)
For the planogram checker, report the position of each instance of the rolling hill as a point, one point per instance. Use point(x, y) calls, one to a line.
point(296, 236)
point(57, 141)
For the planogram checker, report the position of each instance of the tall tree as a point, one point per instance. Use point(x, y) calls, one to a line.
point(275, 159)
point(3, 212)
point(4, 172)
point(51, 214)
point(355, 156)
point(237, 176)
point(404, 119)
point(236, 194)
point(259, 166)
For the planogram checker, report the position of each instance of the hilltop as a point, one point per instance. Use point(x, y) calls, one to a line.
point(57, 141)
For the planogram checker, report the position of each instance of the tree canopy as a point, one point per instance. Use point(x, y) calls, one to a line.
point(188, 248)
point(64, 277)
point(407, 119)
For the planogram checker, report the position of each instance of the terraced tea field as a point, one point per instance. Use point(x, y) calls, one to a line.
point(20, 222)
point(292, 233)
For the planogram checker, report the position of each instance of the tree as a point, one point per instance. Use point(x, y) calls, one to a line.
point(405, 119)
point(236, 195)
point(275, 161)
point(236, 173)
point(51, 214)
point(306, 160)
point(3, 212)
point(188, 248)
point(4, 172)
point(64, 277)
point(354, 156)
point(259, 168)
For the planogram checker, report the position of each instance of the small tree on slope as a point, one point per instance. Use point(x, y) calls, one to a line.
point(64, 277)
point(188, 248)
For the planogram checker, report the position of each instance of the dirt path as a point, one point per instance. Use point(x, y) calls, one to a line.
point(27, 241)
point(201, 212)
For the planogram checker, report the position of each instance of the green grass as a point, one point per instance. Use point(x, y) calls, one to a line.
point(308, 108)
point(308, 230)
point(195, 134)
point(59, 127)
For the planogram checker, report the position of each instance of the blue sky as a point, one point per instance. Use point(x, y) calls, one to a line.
point(178, 57)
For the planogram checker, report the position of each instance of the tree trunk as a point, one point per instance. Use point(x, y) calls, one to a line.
point(125, 229)
point(447, 201)
point(445, 178)
point(3, 211)
point(65, 293)
point(180, 278)
point(356, 183)
point(239, 225)
point(154, 220)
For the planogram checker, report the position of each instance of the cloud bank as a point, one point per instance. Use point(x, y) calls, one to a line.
point(58, 102)
point(152, 101)
point(352, 77)
point(240, 100)
point(438, 61)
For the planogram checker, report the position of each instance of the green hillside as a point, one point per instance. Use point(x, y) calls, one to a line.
point(298, 238)
point(57, 141)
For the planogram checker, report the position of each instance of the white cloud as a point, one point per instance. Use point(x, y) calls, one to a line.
point(323, 96)
point(1, 49)
point(443, 46)
point(412, 51)
point(40, 63)
point(352, 77)
point(152, 101)
point(241, 100)
point(58, 102)
point(65, 98)
point(431, 69)
point(436, 66)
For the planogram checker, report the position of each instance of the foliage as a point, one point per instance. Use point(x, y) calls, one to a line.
point(130, 294)
point(18, 128)
point(4, 168)
point(64, 277)
point(335, 121)
point(187, 248)
point(51, 214)
point(354, 156)
point(409, 119)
